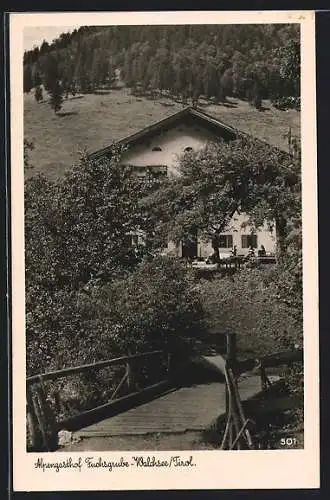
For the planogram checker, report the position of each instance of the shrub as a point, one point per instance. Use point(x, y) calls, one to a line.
point(254, 305)
point(77, 227)
point(155, 306)
point(284, 103)
point(66, 328)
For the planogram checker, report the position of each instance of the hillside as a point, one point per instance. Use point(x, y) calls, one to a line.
point(94, 121)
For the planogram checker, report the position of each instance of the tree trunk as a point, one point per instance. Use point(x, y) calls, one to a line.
point(281, 235)
point(215, 246)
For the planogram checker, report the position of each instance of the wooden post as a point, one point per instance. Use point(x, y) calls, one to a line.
point(168, 362)
point(231, 360)
point(38, 410)
point(31, 421)
point(231, 349)
point(130, 376)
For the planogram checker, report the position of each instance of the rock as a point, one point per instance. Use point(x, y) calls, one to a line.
point(64, 437)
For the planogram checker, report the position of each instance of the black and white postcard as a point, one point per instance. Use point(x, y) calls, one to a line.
point(164, 250)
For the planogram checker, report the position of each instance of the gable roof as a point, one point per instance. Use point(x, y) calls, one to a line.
point(189, 113)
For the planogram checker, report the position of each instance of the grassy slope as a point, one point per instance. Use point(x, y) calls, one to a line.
point(95, 121)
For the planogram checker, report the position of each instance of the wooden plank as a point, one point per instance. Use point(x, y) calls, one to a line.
point(114, 407)
point(185, 409)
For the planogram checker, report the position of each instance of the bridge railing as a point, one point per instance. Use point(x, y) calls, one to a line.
point(66, 397)
point(237, 432)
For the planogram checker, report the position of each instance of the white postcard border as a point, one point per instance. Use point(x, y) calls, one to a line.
point(213, 469)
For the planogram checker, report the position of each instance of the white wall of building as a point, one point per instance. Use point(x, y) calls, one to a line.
point(172, 144)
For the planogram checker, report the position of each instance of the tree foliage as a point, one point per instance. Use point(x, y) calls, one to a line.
point(155, 306)
point(253, 304)
point(76, 228)
point(27, 78)
point(152, 308)
point(76, 240)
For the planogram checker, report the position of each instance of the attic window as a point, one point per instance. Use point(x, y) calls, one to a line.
point(156, 148)
point(188, 148)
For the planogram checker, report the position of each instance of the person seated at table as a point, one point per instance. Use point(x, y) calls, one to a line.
point(262, 251)
point(212, 259)
point(251, 251)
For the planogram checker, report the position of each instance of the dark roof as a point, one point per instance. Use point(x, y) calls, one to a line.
point(206, 120)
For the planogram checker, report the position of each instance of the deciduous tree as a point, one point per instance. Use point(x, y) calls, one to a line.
point(78, 226)
point(244, 175)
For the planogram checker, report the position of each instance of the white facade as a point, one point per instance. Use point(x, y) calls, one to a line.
point(164, 149)
point(171, 143)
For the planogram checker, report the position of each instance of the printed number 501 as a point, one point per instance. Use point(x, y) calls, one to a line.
point(288, 441)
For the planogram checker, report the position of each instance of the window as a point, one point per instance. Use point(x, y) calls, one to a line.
point(188, 148)
point(156, 148)
point(150, 171)
point(225, 241)
point(155, 172)
point(158, 170)
point(249, 240)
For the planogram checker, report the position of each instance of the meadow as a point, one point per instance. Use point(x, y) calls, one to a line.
point(93, 121)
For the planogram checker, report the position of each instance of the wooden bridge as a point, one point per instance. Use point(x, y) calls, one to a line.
point(195, 395)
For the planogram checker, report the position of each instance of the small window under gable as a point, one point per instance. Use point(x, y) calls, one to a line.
point(156, 148)
point(188, 148)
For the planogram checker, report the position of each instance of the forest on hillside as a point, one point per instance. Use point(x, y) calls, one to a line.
point(252, 62)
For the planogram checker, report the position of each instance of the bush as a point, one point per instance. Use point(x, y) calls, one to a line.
point(153, 308)
point(156, 305)
point(263, 306)
point(77, 227)
point(254, 305)
point(283, 103)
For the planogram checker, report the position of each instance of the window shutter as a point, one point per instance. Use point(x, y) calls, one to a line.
point(222, 241)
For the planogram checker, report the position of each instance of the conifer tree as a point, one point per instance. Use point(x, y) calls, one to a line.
point(51, 72)
point(56, 97)
point(37, 80)
point(27, 79)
